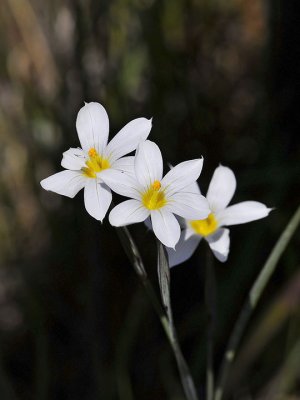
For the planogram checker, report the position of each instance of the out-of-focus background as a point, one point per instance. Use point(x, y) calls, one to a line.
point(220, 79)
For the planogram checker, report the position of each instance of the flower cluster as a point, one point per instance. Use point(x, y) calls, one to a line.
point(179, 215)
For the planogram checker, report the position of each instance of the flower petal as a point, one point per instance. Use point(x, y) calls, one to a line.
point(128, 138)
point(128, 212)
point(219, 244)
point(148, 163)
point(241, 213)
point(166, 227)
point(68, 183)
point(73, 159)
point(221, 188)
point(181, 176)
point(121, 183)
point(125, 164)
point(97, 198)
point(92, 125)
point(184, 249)
point(181, 221)
point(193, 188)
point(188, 205)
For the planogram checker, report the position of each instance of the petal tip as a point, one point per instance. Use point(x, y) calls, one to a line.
point(42, 183)
point(270, 209)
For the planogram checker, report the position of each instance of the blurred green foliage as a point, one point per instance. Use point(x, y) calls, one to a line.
point(220, 79)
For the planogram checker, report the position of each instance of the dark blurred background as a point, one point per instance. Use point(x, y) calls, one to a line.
point(220, 79)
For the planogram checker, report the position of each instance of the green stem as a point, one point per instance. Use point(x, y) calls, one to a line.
point(137, 262)
point(252, 300)
point(210, 300)
point(163, 270)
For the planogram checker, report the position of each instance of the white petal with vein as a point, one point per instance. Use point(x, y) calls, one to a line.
point(166, 227)
point(128, 212)
point(220, 245)
point(97, 198)
point(73, 159)
point(124, 164)
point(121, 183)
point(188, 205)
point(182, 176)
point(243, 212)
point(221, 188)
point(92, 125)
point(148, 163)
point(67, 183)
point(128, 138)
point(184, 249)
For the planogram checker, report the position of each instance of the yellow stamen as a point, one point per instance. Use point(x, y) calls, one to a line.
point(205, 227)
point(90, 173)
point(93, 152)
point(156, 185)
point(154, 198)
point(94, 164)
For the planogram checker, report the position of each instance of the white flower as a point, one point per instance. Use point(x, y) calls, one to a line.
point(219, 194)
point(85, 166)
point(155, 196)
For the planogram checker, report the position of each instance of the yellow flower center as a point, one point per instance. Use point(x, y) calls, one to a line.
point(94, 164)
point(154, 198)
point(205, 227)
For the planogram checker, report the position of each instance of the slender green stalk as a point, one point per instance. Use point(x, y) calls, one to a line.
point(132, 252)
point(163, 270)
point(164, 316)
point(252, 300)
point(210, 300)
point(138, 265)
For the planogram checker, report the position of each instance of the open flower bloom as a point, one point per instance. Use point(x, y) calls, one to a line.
point(85, 166)
point(155, 196)
point(220, 193)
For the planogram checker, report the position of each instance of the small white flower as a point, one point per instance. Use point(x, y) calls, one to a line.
point(85, 166)
point(219, 194)
point(155, 196)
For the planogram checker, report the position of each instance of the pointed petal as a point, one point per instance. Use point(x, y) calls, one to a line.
point(73, 159)
point(221, 188)
point(182, 176)
point(68, 183)
point(193, 188)
point(121, 183)
point(148, 163)
point(181, 221)
point(166, 227)
point(125, 164)
point(128, 212)
point(128, 138)
point(184, 249)
point(188, 205)
point(219, 244)
point(241, 213)
point(92, 125)
point(97, 198)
